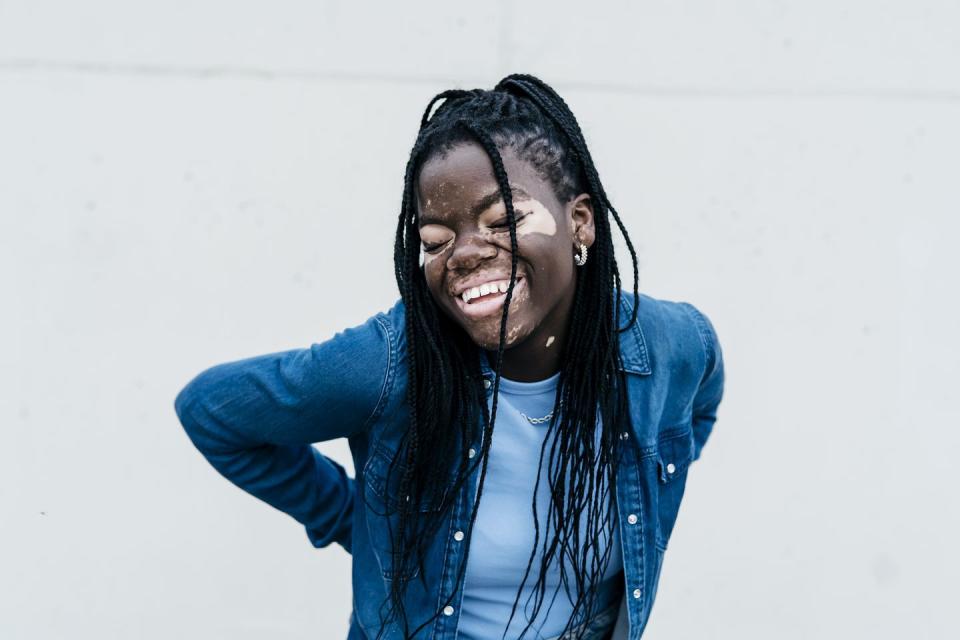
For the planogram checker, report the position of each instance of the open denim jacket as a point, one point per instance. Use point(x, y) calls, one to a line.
point(254, 420)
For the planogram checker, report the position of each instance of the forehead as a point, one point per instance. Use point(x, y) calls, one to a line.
point(455, 182)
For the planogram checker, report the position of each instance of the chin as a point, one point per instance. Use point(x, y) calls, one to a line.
point(484, 330)
point(488, 336)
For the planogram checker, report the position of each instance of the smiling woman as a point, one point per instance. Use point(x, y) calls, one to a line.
point(465, 230)
point(557, 527)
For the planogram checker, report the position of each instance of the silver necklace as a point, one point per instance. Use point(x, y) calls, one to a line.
point(545, 418)
point(537, 420)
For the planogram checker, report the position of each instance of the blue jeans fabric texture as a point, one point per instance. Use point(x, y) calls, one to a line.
point(254, 420)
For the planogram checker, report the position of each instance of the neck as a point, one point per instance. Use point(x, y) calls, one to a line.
point(540, 354)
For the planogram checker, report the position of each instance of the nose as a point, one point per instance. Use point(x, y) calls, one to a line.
point(469, 250)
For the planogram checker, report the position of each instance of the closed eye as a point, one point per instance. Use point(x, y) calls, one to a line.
point(433, 248)
point(505, 223)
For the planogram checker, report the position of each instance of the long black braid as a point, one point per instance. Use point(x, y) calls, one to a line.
point(525, 114)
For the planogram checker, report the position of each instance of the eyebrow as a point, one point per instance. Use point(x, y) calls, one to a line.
point(483, 203)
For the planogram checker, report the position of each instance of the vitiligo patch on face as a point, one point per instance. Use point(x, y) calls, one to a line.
point(513, 332)
point(538, 220)
point(520, 298)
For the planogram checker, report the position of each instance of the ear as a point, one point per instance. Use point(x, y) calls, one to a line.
point(581, 220)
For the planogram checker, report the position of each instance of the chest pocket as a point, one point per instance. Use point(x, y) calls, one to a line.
point(382, 504)
point(674, 455)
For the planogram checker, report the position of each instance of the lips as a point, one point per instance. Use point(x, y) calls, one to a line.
point(492, 287)
point(479, 279)
point(486, 298)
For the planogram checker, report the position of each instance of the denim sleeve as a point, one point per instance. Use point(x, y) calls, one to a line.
point(710, 391)
point(254, 421)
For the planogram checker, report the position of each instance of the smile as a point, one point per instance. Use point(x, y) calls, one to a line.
point(488, 298)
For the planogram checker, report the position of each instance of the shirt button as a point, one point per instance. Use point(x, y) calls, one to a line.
point(448, 610)
point(636, 594)
point(486, 383)
point(624, 435)
point(472, 452)
point(458, 536)
point(671, 468)
point(632, 518)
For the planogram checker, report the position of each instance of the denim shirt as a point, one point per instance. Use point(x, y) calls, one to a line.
point(254, 420)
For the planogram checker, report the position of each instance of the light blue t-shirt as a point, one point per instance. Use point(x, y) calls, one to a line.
point(504, 530)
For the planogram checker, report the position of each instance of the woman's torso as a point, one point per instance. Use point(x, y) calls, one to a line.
point(504, 534)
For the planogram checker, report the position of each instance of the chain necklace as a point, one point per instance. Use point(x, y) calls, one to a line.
point(545, 418)
point(537, 420)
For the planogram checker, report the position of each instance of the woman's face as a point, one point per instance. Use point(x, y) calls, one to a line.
point(465, 241)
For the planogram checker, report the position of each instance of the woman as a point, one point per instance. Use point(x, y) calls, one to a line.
point(511, 316)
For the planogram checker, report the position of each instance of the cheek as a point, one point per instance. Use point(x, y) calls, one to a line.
point(432, 271)
point(435, 275)
point(552, 261)
point(429, 258)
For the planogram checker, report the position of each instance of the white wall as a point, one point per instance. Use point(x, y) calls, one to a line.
point(182, 183)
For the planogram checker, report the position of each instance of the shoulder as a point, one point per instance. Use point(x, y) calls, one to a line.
point(673, 333)
point(365, 354)
point(393, 323)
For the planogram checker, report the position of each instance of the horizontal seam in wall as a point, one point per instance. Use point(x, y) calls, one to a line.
point(308, 75)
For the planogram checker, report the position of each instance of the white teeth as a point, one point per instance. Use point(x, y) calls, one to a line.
point(500, 286)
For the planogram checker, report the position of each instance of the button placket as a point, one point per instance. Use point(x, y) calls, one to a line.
point(632, 538)
point(454, 549)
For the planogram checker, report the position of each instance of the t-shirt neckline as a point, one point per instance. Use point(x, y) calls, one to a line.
point(526, 388)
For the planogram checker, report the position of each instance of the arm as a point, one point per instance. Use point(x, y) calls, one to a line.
point(254, 420)
point(710, 392)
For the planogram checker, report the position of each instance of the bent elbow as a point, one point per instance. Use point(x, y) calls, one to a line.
point(186, 405)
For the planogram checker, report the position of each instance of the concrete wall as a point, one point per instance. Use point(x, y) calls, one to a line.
point(182, 183)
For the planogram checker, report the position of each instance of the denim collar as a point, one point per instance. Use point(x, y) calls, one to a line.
point(633, 346)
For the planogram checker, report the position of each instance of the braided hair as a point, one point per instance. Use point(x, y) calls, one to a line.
point(526, 115)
